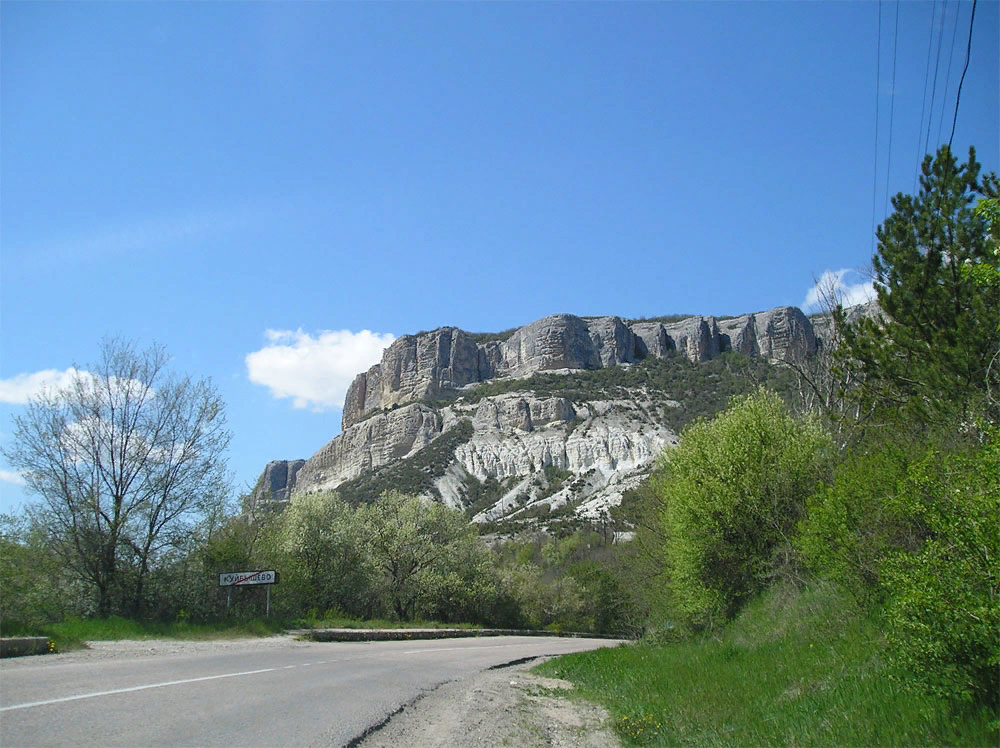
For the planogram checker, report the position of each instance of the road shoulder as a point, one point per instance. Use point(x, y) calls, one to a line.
point(509, 706)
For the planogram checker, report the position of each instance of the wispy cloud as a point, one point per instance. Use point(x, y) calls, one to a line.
point(834, 286)
point(131, 236)
point(20, 388)
point(127, 238)
point(315, 371)
point(9, 476)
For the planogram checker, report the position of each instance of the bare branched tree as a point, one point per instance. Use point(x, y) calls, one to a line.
point(125, 460)
point(824, 378)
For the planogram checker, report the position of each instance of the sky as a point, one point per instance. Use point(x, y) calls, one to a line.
point(276, 191)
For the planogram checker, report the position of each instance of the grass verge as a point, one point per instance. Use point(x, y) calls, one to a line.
point(74, 633)
point(794, 669)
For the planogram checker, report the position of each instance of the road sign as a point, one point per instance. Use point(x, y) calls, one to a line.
point(243, 578)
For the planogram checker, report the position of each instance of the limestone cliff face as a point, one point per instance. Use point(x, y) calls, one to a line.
point(278, 480)
point(608, 444)
point(559, 342)
point(413, 368)
point(609, 441)
point(418, 367)
point(696, 337)
point(514, 436)
point(783, 334)
point(368, 445)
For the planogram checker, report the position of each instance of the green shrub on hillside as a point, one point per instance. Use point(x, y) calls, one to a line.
point(699, 390)
point(490, 337)
point(850, 526)
point(912, 532)
point(943, 609)
point(732, 492)
point(798, 667)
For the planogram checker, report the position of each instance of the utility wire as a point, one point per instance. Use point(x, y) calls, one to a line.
point(923, 105)
point(937, 64)
point(958, 97)
point(878, 68)
point(947, 77)
point(892, 107)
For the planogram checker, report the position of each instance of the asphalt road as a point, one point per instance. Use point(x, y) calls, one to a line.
point(302, 694)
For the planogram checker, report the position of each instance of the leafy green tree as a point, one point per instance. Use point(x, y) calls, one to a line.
point(939, 329)
point(731, 493)
point(852, 524)
point(326, 565)
point(35, 587)
point(413, 546)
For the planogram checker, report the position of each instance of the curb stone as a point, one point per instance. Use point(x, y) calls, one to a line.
point(369, 635)
point(24, 645)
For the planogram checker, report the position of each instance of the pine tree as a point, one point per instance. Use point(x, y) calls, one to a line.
point(929, 348)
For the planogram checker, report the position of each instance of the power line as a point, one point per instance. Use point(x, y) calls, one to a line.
point(958, 96)
point(947, 77)
point(923, 104)
point(878, 69)
point(937, 64)
point(892, 107)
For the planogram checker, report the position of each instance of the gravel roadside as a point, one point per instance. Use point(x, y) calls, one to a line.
point(509, 706)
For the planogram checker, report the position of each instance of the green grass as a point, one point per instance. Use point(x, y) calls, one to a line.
point(794, 669)
point(75, 632)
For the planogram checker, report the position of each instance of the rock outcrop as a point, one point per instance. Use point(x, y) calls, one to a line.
point(278, 480)
point(423, 366)
point(416, 367)
point(414, 395)
point(370, 444)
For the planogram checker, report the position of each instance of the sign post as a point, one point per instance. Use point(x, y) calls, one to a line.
point(232, 579)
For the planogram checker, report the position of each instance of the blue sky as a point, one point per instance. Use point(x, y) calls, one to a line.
point(274, 190)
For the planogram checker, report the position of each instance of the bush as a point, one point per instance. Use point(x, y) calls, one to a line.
point(943, 608)
point(732, 492)
point(911, 531)
point(851, 527)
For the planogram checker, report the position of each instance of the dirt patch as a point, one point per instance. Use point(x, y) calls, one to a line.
point(498, 707)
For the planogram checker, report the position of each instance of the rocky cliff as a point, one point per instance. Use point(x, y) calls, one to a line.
point(420, 367)
point(523, 452)
point(278, 479)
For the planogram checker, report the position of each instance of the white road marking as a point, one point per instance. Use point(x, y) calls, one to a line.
point(133, 688)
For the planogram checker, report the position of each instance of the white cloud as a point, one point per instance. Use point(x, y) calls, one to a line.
point(314, 371)
point(833, 284)
point(17, 390)
point(9, 476)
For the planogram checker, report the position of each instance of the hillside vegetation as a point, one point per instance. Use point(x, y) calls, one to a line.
point(683, 391)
